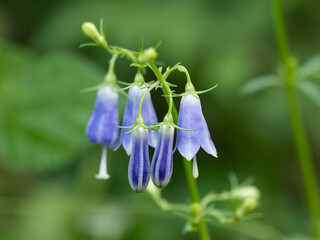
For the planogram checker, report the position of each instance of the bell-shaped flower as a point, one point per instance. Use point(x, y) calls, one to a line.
point(130, 114)
point(162, 162)
point(191, 117)
point(103, 124)
point(139, 165)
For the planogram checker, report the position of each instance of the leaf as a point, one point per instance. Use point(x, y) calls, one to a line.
point(259, 84)
point(43, 114)
point(299, 237)
point(310, 69)
point(311, 90)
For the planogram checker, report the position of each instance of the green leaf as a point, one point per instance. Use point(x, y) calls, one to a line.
point(310, 69)
point(43, 114)
point(311, 90)
point(259, 84)
point(299, 237)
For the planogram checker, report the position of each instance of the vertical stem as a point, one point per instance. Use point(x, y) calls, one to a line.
point(192, 184)
point(305, 161)
point(195, 197)
point(281, 32)
point(300, 138)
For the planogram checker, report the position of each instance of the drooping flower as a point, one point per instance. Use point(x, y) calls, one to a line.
point(130, 113)
point(139, 165)
point(103, 124)
point(191, 117)
point(162, 162)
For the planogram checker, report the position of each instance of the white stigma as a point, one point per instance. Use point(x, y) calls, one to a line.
point(195, 171)
point(103, 174)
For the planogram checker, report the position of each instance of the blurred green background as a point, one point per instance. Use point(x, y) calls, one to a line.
point(47, 165)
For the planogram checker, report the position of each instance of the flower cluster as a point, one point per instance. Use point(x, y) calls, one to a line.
point(140, 127)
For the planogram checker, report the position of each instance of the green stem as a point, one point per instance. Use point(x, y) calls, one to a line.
point(300, 138)
point(192, 184)
point(305, 161)
point(112, 63)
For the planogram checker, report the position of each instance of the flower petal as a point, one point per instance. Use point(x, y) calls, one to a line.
point(206, 141)
point(139, 165)
point(129, 116)
point(191, 117)
point(188, 142)
point(162, 162)
point(103, 124)
point(149, 115)
point(131, 112)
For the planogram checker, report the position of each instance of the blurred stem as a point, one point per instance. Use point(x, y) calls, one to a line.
point(301, 141)
point(192, 184)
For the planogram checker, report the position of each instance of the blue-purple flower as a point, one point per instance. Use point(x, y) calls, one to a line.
point(162, 162)
point(103, 124)
point(191, 117)
point(139, 165)
point(130, 113)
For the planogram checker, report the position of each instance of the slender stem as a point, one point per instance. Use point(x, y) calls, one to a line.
point(192, 184)
point(300, 138)
point(112, 63)
point(305, 161)
point(281, 32)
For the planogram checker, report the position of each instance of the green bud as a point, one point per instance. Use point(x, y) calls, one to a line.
point(246, 192)
point(90, 30)
point(148, 55)
point(247, 205)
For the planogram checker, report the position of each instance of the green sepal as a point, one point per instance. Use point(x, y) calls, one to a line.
point(88, 45)
point(208, 90)
point(124, 83)
point(184, 129)
point(91, 89)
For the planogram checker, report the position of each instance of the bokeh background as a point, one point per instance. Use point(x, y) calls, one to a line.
point(47, 165)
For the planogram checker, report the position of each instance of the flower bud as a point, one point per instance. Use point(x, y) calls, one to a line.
point(148, 55)
point(162, 162)
point(247, 205)
point(90, 30)
point(247, 192)
point(139, 165)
